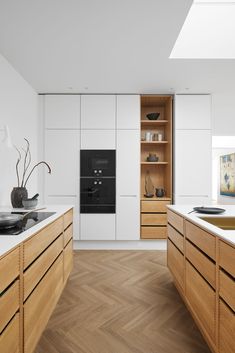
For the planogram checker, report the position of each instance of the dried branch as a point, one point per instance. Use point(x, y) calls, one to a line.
point(26, 164)
point(35, 166)
point(17, 165)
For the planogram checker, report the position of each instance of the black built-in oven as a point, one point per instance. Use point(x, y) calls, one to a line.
point(98, 181)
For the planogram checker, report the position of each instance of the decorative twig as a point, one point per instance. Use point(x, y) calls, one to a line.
point(17, 165)
point(26, 165)
point(35, 166)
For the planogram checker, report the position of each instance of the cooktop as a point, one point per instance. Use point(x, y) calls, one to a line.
point(29, 221)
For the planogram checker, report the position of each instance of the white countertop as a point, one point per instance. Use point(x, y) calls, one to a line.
point(8, 242)
point(227, 235)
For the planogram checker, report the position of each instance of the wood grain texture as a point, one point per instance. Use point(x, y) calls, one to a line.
point(121, 302)
point(68, 234)
point(68, 218)
point(227, 289)
point(226, 329)
point(176, 237)
point(176, 221)
point(9, 339)
point(9, 268)
point(154, 206)
point(227, 257)
point(176, 263)
point(154, 232)
point(153, 219)
point(9, 304)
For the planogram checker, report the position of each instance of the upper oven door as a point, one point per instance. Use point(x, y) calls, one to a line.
point(98, 163)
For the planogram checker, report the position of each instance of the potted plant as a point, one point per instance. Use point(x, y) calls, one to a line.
point(20, 192)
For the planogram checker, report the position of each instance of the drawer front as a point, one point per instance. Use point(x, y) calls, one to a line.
point(176, 221)
point(202, 239)
point(201, 298)
point(151, 219)
point(40, 241)
point(68, 218)
point(226, 329)
point(227, 289)
point(9, 268)
point(68, 260)
point(37, 270)
point(205, 266)
point(175, 262)
point(9, 304)
point(176, 238)
point(10, 337)
point(153, 232)
point(227, 257)
point(68, 234)
point(154, 206)
point(40, 304)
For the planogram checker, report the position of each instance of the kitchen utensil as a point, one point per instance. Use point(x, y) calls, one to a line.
point(9, 220)
point(34, 197)
point(153, 116)
point(160, 192)
point(30, 203)
point(209, 210)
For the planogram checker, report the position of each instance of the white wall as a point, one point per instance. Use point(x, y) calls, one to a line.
point(18, 110)
point(223, 114)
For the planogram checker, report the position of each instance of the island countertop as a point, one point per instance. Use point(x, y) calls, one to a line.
point(196, 218)
point(8, 242)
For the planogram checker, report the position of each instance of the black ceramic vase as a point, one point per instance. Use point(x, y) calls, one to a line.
point(17, 195)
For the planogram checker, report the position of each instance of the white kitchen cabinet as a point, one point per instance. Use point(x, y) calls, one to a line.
point(97, 226)
point(128, 111)
point(62, 153)
point(192, 111)
point(192, 166)
point(128, 217)
point(128, 162)
point(98, 139)
point(98, 112)
point(62, 111)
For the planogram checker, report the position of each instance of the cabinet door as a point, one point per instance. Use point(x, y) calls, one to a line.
point(193, 164)
point(128, 112)
point(62, 111)
point(128, 163)
point(98, 139)
point(62, 154)
point(98, 111)
point(98, 226)
point(193, 111)
point(128, 218)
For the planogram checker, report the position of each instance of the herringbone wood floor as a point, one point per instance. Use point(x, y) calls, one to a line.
point(121, 302)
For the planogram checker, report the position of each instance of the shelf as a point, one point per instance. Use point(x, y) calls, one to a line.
point(153, 122)
point(153, 142)
point(152, 163)
point(154, 198)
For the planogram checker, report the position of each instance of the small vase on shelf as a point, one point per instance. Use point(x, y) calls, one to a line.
point(17, 195)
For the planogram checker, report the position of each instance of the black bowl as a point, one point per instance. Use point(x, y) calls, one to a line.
point(153, 116)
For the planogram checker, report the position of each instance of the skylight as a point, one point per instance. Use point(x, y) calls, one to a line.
point(208, 32)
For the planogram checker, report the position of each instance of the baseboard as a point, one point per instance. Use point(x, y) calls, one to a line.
point(120, 245)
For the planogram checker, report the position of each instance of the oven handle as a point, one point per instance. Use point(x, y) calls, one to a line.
point(89, 192)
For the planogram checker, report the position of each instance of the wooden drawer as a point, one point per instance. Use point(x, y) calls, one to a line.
point(176, 238)
point(9, 304)
point(68, 234)
point(151, 219)
point(202, 300)
point(153, 232)
point(10, 337)
point(227, 289)
point(68, 218)
point(202, 239)
point(176, 221)
point(175, 262)
point(9, 268)
point(227, 257)
point(37, 270)
point(40, 304)
point(68, 260)
point(40, 241)
point(226, 329)
point(202, 263)
point(154, 206)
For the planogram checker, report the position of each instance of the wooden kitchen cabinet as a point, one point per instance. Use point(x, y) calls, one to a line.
point(226, 328)
point(10, 337)
point(9, 304)
point(175, 262)
point(176, 238)
point(9, 268)
point(68, 259)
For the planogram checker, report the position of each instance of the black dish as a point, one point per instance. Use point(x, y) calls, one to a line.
point(153, 116)
point(209, 210)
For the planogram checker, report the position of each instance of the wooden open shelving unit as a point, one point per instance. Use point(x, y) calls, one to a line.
point(153, 210)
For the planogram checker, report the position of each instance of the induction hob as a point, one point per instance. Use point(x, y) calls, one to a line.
point(29, 221)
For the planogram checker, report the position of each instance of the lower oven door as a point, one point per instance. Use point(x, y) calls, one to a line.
point(97, 195)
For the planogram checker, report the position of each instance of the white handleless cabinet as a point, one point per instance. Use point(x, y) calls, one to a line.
point(97, 226)
point(98, 112)
point(192, 111)
point(62, 154)
point(98, 139)
point(62, 111)
point(128, 112)
point(128, 217)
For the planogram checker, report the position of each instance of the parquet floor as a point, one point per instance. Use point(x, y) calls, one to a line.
point(121, 302)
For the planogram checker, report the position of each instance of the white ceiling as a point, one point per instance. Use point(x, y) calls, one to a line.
point(105, 46)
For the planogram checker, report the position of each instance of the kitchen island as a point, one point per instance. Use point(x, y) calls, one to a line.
point(201, 258)
point(34, 268)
